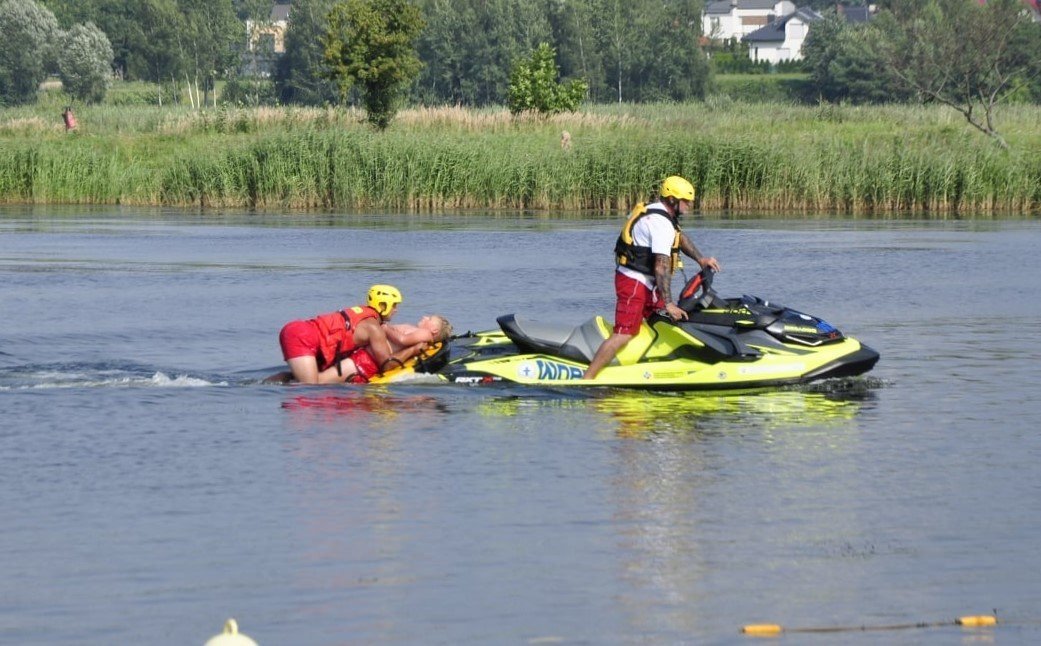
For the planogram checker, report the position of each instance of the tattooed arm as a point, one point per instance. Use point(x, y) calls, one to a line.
point(688, 247)
point(663, 281)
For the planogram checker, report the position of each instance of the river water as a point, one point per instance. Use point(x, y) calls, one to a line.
point(151, 487)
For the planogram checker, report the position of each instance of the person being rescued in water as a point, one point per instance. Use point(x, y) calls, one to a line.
point(647, 253)
point(432, 328)
point(348, 345)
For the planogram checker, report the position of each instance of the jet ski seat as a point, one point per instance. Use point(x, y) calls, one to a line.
point(578, 343)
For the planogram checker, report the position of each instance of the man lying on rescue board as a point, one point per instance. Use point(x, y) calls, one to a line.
point(355, 343)
point(432, 328)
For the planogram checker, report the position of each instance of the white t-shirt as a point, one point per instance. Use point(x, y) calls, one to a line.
point(654, 231)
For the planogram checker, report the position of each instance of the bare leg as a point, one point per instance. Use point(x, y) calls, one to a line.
point(304, 369)
point(605, 353)
point(332, 376)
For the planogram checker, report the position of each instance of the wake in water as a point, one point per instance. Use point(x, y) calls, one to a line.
point(127, 375)
point(74, 375)
point(850, 387)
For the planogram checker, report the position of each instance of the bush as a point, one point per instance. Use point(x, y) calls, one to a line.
point(766, 88)
point(137, 93)
point(251, 92)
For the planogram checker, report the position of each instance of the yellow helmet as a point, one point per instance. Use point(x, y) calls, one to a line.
point(678, 188)
point(383, 298)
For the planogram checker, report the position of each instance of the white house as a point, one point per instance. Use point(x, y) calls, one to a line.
point(782, 39)
point(725, 19)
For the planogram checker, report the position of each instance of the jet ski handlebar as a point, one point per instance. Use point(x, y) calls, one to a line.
point(697, 293)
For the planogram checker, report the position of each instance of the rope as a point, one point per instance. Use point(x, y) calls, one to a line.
point(968, 621)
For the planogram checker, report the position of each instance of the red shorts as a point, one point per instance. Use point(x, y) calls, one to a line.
point(299, 339)
point(365, 365)
point(636, 302)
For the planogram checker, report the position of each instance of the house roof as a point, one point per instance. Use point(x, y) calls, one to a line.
point(280, 12)
point(855, 15)
point(725, 6)
point(774, 32)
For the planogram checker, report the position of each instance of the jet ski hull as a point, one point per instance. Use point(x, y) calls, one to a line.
point(501, 363)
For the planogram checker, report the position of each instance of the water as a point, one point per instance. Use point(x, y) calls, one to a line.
point(151, 487)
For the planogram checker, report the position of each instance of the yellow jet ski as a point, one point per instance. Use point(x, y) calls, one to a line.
point(733, 343)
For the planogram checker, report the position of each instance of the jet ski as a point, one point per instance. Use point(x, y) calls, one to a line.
point(725, 344)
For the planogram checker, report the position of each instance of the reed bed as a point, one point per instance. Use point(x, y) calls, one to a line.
point(761, 157)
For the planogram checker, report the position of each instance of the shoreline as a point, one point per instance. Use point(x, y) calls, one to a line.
point(763, 158)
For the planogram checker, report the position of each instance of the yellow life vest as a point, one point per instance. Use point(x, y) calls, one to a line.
point(640, 258)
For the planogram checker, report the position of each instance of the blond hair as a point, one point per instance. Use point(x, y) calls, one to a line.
point(445, 329)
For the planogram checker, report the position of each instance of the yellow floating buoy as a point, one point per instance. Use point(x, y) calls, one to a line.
point(230, 636)
point(975, 621)
point(762, 629)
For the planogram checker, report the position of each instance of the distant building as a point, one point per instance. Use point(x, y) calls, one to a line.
point(774, 31)
point(270, 32)
point(782, 39)
point(725, 19)
point(265, 42)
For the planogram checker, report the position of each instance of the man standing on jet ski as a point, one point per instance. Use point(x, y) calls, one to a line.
point(647, 253)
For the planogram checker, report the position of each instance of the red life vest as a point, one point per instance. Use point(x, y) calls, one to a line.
point(336, 333)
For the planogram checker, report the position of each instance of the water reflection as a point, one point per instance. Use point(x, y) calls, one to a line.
point(375, 405)
point(668, 542)
point(371, 487)
point(641, 415)
point(665, 488)
point(355, 459)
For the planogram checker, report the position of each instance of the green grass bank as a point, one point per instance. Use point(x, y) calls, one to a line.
point(740, 155)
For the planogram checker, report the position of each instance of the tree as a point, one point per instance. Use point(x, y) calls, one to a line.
point(371, 43)
point(575, 40)
point(962, 54)
point(153, 53)
point(121, 24)
point(625, 50)
point(619, 40)
point(451, 27)
point(845, 67)
point(210, 42)
point(72, 12)
point(650, 49)
point(300, 74)
point(673, 66)
point(26, 49)
point(252, 9)
point(85, 64)
point(534, 86)
point(469, 46)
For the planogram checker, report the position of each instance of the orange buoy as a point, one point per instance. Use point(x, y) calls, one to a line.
point(975, 621)
point(762, 629)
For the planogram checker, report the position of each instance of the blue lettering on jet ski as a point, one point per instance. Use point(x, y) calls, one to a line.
point(557, 371)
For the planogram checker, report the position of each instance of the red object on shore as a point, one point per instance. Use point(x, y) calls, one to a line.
point(69, 118)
